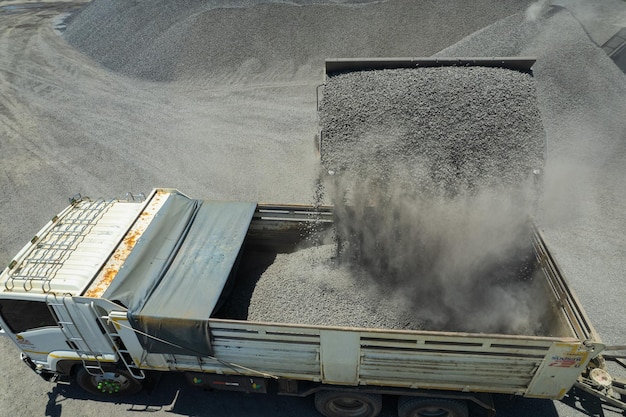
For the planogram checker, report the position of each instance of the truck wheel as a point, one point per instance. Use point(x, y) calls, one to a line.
point(348, 404)
point(117, 382)
point(431, 407)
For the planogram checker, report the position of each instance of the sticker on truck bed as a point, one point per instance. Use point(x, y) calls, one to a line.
point(568, 361)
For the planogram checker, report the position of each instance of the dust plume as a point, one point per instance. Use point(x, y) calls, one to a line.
point(586, 12)
point(459, 263)
point(537, 9)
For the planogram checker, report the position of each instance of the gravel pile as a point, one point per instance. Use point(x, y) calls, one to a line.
point(448, 128)
point(260, 41)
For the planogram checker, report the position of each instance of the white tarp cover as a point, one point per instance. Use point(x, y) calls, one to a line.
point(172, 280)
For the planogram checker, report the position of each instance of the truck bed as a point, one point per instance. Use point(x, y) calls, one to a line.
point(525, 364)
point(529, 365)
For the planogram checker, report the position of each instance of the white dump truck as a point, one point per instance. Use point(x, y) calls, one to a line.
point(112, 291)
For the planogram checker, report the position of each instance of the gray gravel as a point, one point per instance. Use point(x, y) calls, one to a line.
point(462, 265)
point(310, 287)
point(217, 42)
point(450, 128)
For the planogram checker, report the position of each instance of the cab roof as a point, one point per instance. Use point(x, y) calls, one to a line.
point(69, 251)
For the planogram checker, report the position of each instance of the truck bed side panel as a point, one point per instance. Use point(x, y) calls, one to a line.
point(275, 350)
point(427, 360)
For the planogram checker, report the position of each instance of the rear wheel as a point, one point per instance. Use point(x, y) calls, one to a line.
point(431, 407)
point(116, 382)
point(348, 404)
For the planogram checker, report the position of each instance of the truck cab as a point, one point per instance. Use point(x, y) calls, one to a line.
point(42, 307)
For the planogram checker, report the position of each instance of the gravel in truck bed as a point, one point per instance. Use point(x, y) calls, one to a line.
point(310, 287)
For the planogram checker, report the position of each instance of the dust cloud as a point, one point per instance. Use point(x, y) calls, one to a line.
point(537, 9)
point(459, 263)
point(588, 13)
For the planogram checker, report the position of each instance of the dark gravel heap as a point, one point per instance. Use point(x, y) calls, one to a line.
point(447, 128)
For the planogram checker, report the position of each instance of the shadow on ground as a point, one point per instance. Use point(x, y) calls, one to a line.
point(587, 404)
point(173, 395)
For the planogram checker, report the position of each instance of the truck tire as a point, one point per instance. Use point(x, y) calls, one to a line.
point(431, 407)
point(110, 383)
point(348, 404)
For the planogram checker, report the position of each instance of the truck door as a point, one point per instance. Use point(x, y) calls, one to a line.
point(32, 327)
